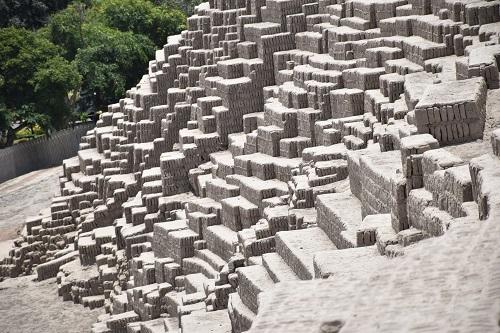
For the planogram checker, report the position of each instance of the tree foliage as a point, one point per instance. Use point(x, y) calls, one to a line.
point(22, 52)
point(112, 41)
point(65, 29)
point(143, 17)
point(111, 61)
point(61, 57)
point(53, 81)
point(35, 82)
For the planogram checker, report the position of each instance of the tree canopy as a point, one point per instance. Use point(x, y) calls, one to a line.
point(112, 61)
point(35, 82)
point(53, 82)
point(63, 57)
point(65, 29)
point(143, 17)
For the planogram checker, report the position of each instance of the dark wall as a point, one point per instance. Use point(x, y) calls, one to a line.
point(41, 153)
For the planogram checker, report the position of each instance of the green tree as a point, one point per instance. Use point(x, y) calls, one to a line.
point(35, 83)
point(54, 82)
point(166, 22)
point(143, 17)
point(111, 61)
point(22, 52)
point(65, 29)
point(87, 54)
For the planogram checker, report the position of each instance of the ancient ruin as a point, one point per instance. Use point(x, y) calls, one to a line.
point(291, 166)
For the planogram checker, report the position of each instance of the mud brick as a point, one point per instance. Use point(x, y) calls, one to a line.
point(392, 86)
point(247, 50)
point(292, 96)
point(418, 200)
point(180, 244)
point(450, 116)
point(250, 122)
point(434, 164)
point(334, 219)
point(231, 213)
point(49, 269)
point(269, 137)
point(282, 117)
point(263, 110)
point(481, 13)
point(418, 49)
point(32, 222)
point(346, 102)
point(222, 241)
point(254, 32)
point(376, 57)
point(301, 74)
point(205, 105)
point(218, 189)
point(161, 231)
point(230, 69)
point(415, 86)
point(366, 234)
point(415, 145)
point(88, 250)
point(306, 120)
point(262, 167)
point(296, 23)
point(322, 153)
point(138, 214)
point(374, 102)
point(362, 78)
point(292, 147)
point(319, 128)
point(174, 174)
point(495, 142)
point(309, 41)
point(457, 190)
point(118, 322)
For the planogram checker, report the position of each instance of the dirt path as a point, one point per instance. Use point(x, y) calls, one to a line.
point(25, 196)
point(27, 306)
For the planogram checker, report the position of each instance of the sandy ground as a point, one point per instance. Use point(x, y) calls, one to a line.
point(28, 306)
point(25, 304)
point(25, 196)
point(5, 247)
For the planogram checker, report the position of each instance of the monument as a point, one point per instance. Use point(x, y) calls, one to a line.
point(291, 166)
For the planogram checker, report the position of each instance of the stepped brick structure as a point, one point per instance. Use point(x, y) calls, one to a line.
point(291, 166)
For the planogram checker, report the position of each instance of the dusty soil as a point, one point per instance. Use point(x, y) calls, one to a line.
point(5, 247)
point(28, 306)
point(25, 196)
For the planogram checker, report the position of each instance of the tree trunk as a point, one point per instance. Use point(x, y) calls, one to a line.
point(8, 139)
point(11, 135)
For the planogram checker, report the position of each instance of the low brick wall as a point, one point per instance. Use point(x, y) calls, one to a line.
point(41, 153)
